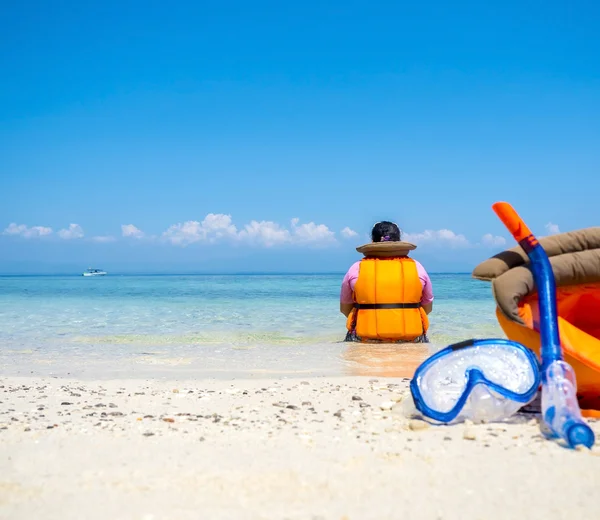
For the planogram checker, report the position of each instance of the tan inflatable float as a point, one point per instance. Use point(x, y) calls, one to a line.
point(575, 260)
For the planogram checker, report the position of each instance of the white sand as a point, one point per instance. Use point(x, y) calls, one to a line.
point(194, 450)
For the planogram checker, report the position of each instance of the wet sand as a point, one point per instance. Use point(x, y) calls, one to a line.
point(320, 448)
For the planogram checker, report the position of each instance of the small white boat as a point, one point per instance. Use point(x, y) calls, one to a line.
point(94, 272)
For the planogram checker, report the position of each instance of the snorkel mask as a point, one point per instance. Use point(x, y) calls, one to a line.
point(479, 379)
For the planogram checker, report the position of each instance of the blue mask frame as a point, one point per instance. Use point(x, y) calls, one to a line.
point(474, 377)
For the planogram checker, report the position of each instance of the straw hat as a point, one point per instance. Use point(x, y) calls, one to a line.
point(386, 248)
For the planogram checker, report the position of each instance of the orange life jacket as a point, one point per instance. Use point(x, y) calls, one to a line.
point(387, 297)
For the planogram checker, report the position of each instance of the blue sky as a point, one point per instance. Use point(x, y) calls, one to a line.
point(154, 116)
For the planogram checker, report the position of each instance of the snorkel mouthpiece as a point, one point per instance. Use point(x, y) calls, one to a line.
point(560, 407)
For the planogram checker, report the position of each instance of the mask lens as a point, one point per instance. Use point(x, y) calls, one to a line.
point(444, 381)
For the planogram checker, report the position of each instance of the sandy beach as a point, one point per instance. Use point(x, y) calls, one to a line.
point(321, 448)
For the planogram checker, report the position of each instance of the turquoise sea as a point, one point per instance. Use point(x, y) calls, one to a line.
point(215, 326)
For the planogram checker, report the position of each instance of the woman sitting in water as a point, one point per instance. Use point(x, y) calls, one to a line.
point(386, 296)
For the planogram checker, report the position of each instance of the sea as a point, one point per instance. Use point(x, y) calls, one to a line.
point(239, 326)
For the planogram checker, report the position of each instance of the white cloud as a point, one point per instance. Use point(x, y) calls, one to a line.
point(264, 232)
point(103, 239)
point(552, 229)
point(348, 233)
point(213, 227)
point(129, 230)
point(311, 232)
point(493, 240)
point(448, 238)
point(183, 234)
point(73, 232)
point(27, 232)
point(219, 227)
point(444, 237)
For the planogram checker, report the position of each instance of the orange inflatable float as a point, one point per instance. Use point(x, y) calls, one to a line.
point(575, 260)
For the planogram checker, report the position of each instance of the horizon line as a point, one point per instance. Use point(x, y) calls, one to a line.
point(197, 273)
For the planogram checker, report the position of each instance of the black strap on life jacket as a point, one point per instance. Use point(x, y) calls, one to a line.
point(371, 306)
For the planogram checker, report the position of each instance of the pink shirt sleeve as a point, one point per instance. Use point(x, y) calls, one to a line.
point(427, 296)
point(352, 275)
point(348, 284)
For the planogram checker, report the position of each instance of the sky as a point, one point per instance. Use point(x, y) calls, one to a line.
point(233, 136)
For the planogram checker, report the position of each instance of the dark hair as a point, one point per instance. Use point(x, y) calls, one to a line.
point(385, 231)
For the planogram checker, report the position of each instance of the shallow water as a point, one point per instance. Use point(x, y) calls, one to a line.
point(212, 326)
